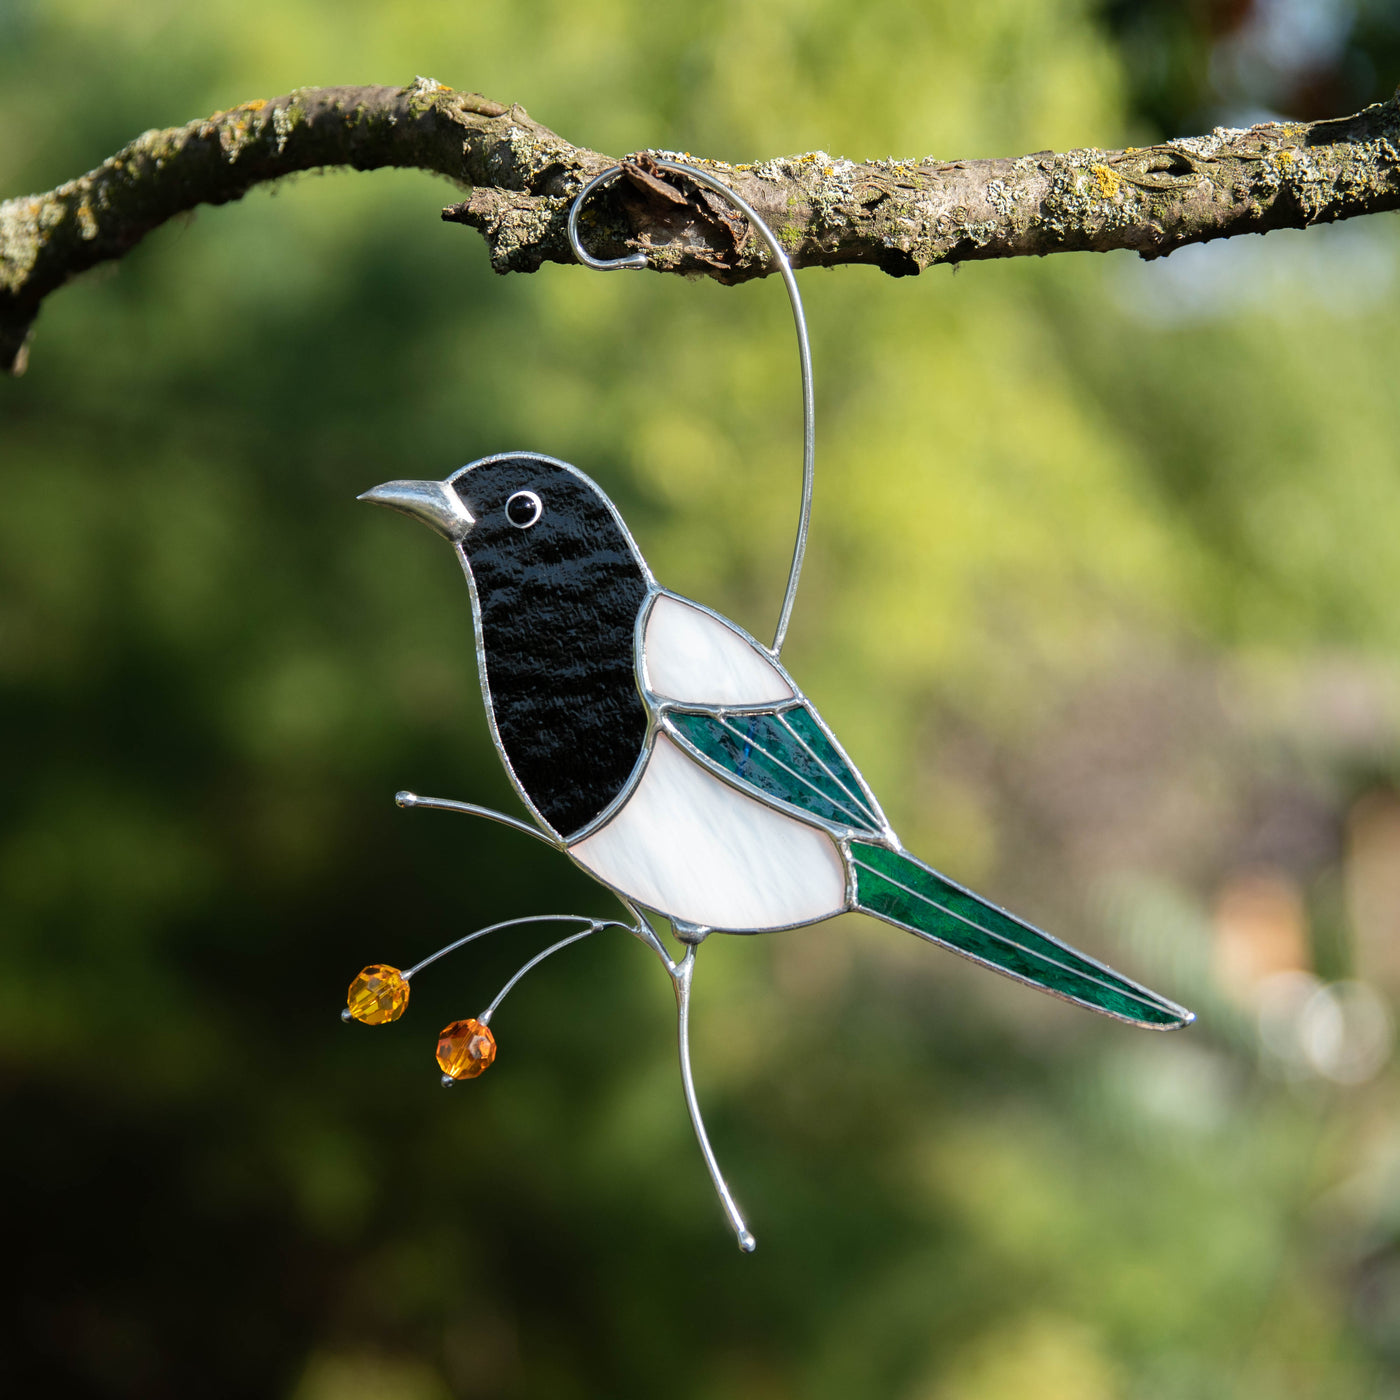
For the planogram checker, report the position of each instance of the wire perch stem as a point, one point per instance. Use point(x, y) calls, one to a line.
point(682, 975)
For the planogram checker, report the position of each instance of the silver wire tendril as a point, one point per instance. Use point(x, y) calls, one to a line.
point(809, 432)
point(682, 975)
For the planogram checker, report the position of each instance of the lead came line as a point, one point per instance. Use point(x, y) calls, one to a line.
point(1003, 938)
point(857, 798)
point(826, 797)
point(856, 820)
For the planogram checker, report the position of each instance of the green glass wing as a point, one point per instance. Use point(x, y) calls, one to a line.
point(783, 754)
point(901, 890)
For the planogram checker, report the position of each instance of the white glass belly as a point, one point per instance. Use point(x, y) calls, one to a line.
point(691, 847)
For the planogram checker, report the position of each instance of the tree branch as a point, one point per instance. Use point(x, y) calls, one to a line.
point(900, 216)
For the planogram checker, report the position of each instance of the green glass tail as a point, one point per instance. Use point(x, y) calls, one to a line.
point(904, 892)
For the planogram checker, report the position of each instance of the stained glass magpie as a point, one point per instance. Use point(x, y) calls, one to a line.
point(673, 757)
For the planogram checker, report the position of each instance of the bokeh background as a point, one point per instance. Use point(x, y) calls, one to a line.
point(1102, 595)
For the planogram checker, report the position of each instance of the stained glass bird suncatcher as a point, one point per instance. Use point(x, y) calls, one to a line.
point(670, 754)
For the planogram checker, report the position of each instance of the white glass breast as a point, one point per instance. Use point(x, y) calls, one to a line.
point(692, 847)
point(695, 658)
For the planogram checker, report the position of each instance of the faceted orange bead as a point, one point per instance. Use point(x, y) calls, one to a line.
point(466, 1049)
point(378, 995)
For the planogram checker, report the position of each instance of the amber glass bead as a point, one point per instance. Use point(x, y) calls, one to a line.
point(466, 1049)
point(378, 995)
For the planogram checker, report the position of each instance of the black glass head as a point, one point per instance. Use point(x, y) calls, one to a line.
point(524, 506)
point(559, 584)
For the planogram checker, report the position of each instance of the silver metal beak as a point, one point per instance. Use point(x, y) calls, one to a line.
point(435, 503)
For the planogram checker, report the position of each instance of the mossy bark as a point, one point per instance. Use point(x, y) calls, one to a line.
point(900, 216)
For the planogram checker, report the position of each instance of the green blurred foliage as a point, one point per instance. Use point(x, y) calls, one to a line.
point(1190, 63)
point(1100, 595)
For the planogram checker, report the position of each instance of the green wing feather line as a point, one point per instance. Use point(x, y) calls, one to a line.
point(784, 755)
point(905, 892)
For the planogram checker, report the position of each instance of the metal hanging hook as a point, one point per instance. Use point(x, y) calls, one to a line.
point(809, 433)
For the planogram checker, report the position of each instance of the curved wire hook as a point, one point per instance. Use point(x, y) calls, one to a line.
point(809, 432)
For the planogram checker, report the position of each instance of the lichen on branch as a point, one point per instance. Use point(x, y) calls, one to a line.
point(898, 215)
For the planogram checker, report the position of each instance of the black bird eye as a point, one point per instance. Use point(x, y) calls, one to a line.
point(523, 509)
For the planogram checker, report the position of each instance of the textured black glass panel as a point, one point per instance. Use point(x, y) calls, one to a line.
point(559, 606)
point(767, 752)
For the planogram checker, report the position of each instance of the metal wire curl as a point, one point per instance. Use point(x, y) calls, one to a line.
point(809, 437)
